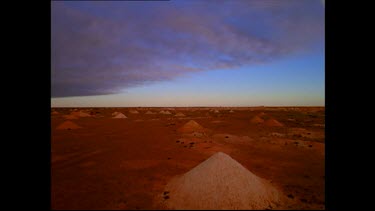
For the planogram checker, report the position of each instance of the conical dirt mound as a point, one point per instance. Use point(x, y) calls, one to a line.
point(190, 127)
point(273, 123)
point(256, 120)
point(165, 112)
point(179, 114)
point(149, 112)
point(80, 114)
point(220, 182)
point(68, 125)
point(120, 116)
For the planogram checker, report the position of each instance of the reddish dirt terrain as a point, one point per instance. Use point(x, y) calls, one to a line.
point(108, 163)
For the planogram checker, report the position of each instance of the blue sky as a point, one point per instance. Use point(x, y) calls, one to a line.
point(187, 53)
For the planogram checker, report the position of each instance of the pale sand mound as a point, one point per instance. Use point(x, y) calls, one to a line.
point(55, 113)
point(191, 126)
point(231, 111)
point(68, 125)
point(119, 115)
point(179, 114)
point(216, 111)
point(273, 123)
point(220, 182)
point(70, 116)
point(133, 112)
point(80, 114)
point(149, 112)
point(115, 113)
point(256, 120)
point(165, 112)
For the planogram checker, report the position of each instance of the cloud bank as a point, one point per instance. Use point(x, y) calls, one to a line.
point(100, 48)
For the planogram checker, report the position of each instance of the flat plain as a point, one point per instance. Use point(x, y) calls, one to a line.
point(102, 162)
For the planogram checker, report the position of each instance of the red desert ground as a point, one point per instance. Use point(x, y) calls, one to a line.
point(188, 158)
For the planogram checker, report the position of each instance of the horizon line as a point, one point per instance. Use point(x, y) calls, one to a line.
point(183, 106)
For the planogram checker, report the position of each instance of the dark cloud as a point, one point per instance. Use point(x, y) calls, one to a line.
point(102, 48)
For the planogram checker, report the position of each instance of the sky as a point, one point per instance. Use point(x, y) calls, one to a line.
point(187, 53)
